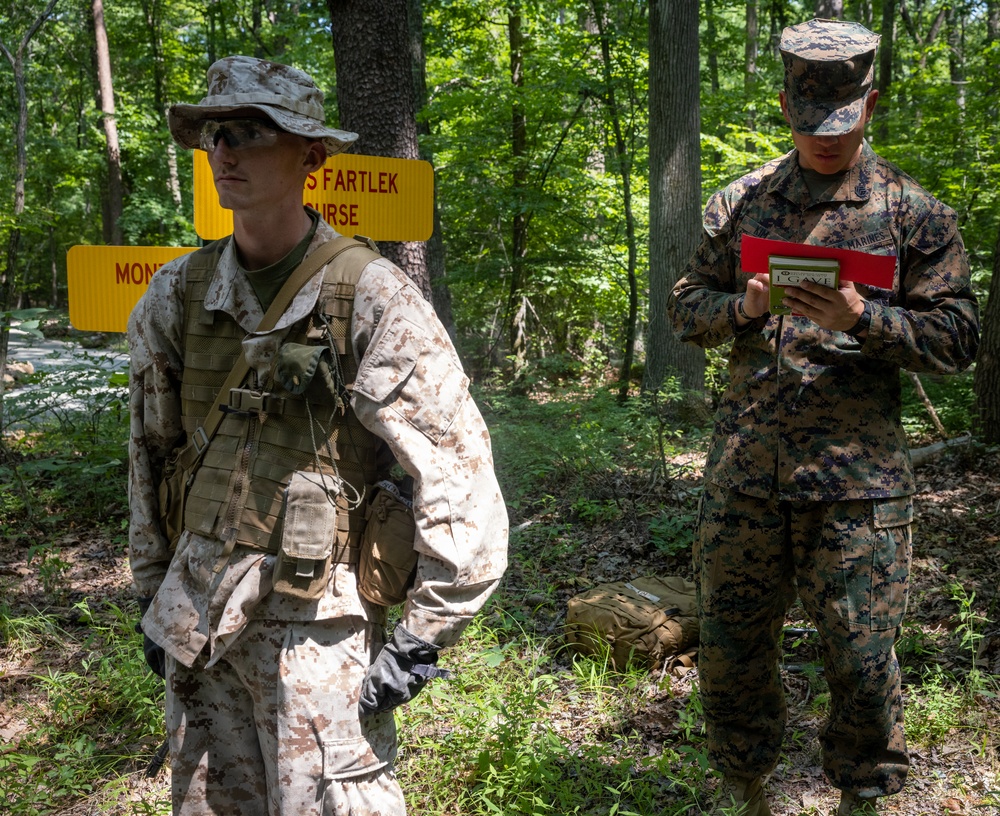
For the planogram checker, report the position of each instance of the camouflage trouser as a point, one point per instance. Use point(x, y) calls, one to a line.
point(849, 562)
point(273, 729)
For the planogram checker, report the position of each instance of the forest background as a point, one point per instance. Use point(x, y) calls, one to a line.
point(573, 146)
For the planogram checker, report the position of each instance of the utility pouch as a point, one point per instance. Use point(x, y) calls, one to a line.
point(388, 563)
point(172, 495)
point(308, 534)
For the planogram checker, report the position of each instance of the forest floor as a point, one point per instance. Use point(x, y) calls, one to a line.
point(952, 624)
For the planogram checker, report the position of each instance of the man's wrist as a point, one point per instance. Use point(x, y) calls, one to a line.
point(864, 322)
point(741, 310)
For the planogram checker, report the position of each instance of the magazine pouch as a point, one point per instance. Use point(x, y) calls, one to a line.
point(308, 534)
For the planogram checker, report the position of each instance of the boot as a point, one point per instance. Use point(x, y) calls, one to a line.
point(853, 805)
point(739, 796)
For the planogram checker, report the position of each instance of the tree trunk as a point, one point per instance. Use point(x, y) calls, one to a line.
point(440, 293)
point(9, 272)
point(54, 253)
point(516, 306)
point(956, 56)
point(987, 376)
point(371, 48)
point(712, 43)
point(923, 41)
point(674, 183)
point(830, 9)
point(881, 125)
point(750, 67)
point(623, 163)
point(112, 227)
point(152, 10)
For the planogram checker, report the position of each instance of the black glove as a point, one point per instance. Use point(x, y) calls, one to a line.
point(156, 657)
point(398, 672)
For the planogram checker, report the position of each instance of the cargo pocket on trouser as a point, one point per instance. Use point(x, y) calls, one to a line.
point(324, 745)
point(359, 756)
point(890, 575)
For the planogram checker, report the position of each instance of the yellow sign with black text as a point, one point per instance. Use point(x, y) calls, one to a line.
point(105, 282)
point(382, 198)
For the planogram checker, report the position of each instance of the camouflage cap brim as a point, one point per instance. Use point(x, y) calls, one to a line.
point(812, 118)
point(184, 122)
point(287, 96)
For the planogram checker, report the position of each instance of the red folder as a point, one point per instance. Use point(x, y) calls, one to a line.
point(855, 266)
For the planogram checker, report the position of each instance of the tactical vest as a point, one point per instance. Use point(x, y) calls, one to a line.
point(268, 432)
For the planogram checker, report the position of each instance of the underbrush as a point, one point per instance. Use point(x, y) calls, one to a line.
point(597, 491)
point(89, 720)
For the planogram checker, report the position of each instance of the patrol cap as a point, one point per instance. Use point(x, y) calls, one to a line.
point(829, 69)
point(287, 96)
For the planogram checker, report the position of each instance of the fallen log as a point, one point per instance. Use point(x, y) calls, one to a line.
point(921, 456)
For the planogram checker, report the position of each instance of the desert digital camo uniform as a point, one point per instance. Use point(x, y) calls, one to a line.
point(808, 473)
point(307, 658)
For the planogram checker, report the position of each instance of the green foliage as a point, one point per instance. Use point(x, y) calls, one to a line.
point(571, 196)
point(504, 744)
point(89, 719)
point(67, 432)
point(671, 532)
point(952, 398)
point(568, 186)
point(26, 320)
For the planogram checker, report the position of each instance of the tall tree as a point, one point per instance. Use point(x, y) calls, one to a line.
point(152, 11)
point(9, 273)
point(750, 54)
point(440, 294)
point(956, 54)
point(675, 182)
point(375, 96)
point(923, 41)
point(987, 375)
point(711, 41)
point(517, 306)
point(624, 167)
point(885, 53)
point(106, 95)
point(830, 9)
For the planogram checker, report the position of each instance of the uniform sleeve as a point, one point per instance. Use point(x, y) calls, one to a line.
point(702, 305)
point(932, 326)
point(411, 392)
point(154, 419)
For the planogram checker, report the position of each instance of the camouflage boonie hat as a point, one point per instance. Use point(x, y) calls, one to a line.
point(829, 68)
point(289, 97)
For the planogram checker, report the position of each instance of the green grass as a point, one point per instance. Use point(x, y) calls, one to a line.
point(88, 722)
point(508, 729)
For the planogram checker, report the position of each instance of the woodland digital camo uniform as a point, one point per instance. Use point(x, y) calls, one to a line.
point(263, 687)
point(808, 477)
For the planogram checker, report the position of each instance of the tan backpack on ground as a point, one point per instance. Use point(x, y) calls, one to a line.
point(646, 622)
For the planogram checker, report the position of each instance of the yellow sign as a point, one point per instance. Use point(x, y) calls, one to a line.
point(105, 282)
point(384, 199)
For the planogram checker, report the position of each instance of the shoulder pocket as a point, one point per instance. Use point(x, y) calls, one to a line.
point(418, 379)
point(388, 364)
